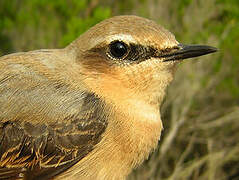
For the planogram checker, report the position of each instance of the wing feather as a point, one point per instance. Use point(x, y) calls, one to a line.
point(46, 126)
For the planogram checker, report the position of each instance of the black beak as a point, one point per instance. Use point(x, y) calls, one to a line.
point(188, 51)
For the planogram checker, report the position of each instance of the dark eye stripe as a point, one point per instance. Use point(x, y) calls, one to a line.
point(137, 53)
point(140, 53)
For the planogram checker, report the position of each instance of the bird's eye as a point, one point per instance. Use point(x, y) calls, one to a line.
point(118, 49)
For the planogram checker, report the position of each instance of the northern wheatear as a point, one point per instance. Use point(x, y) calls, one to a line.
point(90, 110)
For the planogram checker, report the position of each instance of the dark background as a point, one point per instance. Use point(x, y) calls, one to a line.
point(201, 112)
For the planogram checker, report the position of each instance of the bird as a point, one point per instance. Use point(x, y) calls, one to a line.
point(90, 110)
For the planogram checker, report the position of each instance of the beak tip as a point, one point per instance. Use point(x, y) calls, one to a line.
point(212, 49)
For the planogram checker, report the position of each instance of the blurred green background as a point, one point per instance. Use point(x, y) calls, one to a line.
point(201, 112)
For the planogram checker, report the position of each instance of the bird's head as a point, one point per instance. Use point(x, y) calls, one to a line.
point(128, 56)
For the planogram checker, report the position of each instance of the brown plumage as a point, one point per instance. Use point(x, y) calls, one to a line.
point(90, 110)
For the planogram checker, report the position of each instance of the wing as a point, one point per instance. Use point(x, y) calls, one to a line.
point(46, 125)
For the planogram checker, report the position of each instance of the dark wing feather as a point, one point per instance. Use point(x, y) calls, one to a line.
point(45, 126)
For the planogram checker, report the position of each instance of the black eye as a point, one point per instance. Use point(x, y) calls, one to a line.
point(118, 49)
